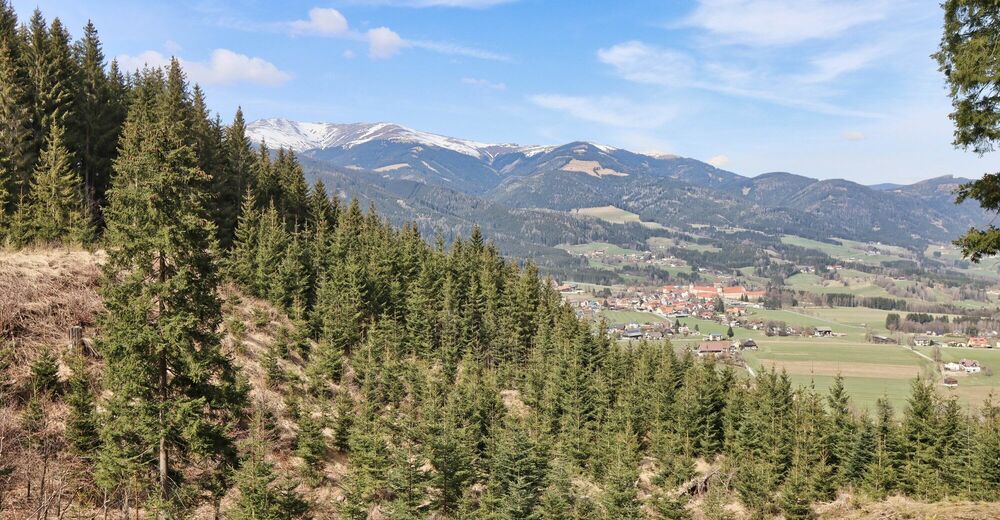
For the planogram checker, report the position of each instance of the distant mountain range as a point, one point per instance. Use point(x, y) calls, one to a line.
point(447, 183)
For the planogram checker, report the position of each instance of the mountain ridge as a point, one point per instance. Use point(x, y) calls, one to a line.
point(674, 191)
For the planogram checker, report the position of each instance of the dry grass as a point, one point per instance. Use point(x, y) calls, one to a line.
point(844, 368)
point(44, 292)
point(849, 507)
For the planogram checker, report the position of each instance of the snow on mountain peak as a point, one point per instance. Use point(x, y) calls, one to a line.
point(300, 136)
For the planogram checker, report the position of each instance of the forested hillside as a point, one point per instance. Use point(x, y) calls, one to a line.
point(256, 349)
point(677, 192)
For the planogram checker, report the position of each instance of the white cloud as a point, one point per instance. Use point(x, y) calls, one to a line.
point(172, 46)
point(459, 50)
point(782, 22)
point(322, 21)
point(854, 135)
point(349, 54)
point(145, 59)
point(484, 83)
point(642, 63)
point(719, 161)
point(384, 43)
point(831, 66)
point(223, 68)
point(612, 111)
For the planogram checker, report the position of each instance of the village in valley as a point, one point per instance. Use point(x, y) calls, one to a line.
point(876, 352)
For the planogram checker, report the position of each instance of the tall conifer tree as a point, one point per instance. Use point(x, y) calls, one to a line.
point(174, 392)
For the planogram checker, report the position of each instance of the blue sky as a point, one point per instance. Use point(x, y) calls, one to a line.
point(828, 89)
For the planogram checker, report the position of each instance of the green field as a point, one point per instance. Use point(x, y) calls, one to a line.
point(870, 371)
point(858, 286)
point(630, 317)
point(615, 216)
point(972, 387)
point(851, 250)
point(595, 262)
point(590, 247)
point(987, 268)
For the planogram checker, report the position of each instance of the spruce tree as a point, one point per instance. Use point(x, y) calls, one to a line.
point(842, 428)
point(56, 76)
point(17, 134)
point(407, 484)
point(920, 429)
point(310, 444)
point(366, 478)
point(451, 456)
point(100, 112)
point(667, 507)
point(233, 179)
point(81, 422)
point(56, 208)
point(272, 242)
point(557, 500)
point(953, 448)
point(621, 499)
point(173, 391)
point(339, 311)
point(881, 476)
point(343, 420)
point(986, 460)
point(518, 466)
point(262, 496)
point(862, 450)
point(241, 265)
point(45, 373)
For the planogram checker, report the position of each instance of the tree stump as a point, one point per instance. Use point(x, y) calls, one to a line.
point(76, 339)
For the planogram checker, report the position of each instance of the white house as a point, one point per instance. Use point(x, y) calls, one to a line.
point(952, 367)
point(971, 366)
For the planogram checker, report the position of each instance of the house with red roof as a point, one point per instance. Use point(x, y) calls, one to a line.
point(733, 293)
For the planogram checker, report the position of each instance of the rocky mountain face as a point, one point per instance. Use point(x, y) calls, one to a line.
point(414, 175)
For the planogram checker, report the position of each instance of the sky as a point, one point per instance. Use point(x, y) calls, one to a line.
point(828, 89)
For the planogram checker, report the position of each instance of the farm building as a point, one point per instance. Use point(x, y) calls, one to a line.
point(885, 340)
point(952, 367)
point(922, 341)
point(632, 334)
point(713, 348)
point(971, 366)
point(748, 344)
point(824, 331)
point(979, 342)
point(950, 382)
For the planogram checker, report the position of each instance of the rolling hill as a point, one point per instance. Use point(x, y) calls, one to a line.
point(447, 183)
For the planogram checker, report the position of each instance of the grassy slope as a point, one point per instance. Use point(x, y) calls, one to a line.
point(615, 216)
point(43, 293)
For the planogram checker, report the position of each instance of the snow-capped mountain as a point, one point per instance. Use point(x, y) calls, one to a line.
point(302, 136)
point(392, 149)
point(456, 178)
point(465, 165)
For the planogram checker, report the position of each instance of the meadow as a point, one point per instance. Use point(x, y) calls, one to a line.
point(615, 215)
point(870, 371)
